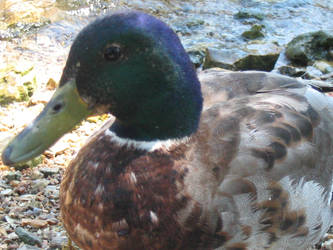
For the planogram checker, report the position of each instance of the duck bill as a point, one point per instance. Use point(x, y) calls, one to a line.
point(60, 115)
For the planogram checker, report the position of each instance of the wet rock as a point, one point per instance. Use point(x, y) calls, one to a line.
point(49, 171)
point(324, 66)
point(27, 237)
point(246, 14)
point(291, 71)
point(257, 62)
point(313, 72)
point(224, 58)
point(254, 33)
point(257, 55)
point(306, 48)
point(197, 57)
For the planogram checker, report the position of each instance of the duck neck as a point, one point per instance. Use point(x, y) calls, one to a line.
point(172, 114)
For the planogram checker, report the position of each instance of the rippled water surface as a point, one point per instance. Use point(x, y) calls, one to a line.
point(200, 24)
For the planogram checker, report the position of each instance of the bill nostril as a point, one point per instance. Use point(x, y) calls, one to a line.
point(56, 108)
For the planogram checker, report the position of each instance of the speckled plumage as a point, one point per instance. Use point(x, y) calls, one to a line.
point(256, 175)
point(252, 169)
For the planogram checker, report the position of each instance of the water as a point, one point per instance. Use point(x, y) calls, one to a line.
point(200, 24)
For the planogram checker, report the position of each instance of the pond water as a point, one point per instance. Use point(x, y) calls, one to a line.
point(200, 24)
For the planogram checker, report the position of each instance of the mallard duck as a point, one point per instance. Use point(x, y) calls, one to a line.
point(241, 161)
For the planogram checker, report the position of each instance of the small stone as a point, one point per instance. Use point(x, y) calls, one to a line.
point(52, 221)
point(36, 223)
point(324, 66)
point(27, 237)
point(51, 84)
point(12, 176)
point(6, 192)
point(3, 231)
point(58, 241)
point(12, 236)
point(291, 71)
point(36, 174)
point(49, 171)
point(27, 247)
point(38, 185)
point(14, 183)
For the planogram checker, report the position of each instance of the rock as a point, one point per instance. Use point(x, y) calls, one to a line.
point(27, 237)
point(223, 58)
point(36, 174)
point(324, 66)
point(313, 72)
point(52, 191)
point(254, 33)
point(3, 231)
point(12, 176)
point(6, 192)
point(27, 247)
point(36, 223)
point(306, 48)
point(38, 185)
point(29, 164)
point(257, 57)
point(197, 57)
point(17, 83)
point(51, 84)
point(14, 183)
point(12, 236)
point(291, 71)
point(49, 171)
point(246, 14)
point(58, 241)
point(257, 62)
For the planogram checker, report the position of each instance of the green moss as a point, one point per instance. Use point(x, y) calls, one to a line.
point(254, 33)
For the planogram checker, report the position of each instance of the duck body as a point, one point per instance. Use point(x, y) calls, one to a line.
point(242, 162)
point(254, 176)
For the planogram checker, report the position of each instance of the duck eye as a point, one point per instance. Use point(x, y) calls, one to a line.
point(112, 52)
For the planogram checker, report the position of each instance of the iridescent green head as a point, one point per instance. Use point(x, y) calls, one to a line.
point(131, 65)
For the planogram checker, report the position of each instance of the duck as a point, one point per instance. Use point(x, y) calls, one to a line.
point(192, 160)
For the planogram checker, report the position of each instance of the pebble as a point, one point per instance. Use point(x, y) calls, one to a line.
point(49, 171)
point(27, 247)
point(12, 236)
point(38, 185)
point(36, 174)
point(11, 176)
point(6, 192)
point(36, 223)
point(58, 241)
point(27, 237)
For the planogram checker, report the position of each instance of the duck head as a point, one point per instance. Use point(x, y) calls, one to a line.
point(129, 64)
